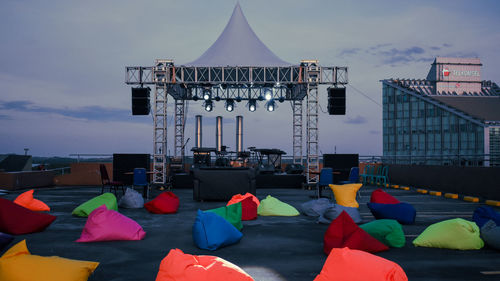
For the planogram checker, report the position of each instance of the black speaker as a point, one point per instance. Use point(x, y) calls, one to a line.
point(336, 101)
point(140, 101)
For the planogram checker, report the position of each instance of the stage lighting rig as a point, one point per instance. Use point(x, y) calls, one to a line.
point(207, 94)
point(252, 105)
point(268, 94)
point(230, 105)
point(209, 105)
point(271, 106)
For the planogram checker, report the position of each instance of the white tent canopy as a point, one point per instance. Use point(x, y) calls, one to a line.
point(238, 45)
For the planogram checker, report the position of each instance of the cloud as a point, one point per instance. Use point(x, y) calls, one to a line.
point(435, 48)
point(97, 113)
point(348, 51)
point(447, 45)
point(356, 120)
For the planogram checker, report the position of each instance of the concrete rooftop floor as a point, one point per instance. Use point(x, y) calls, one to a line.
point(272, 248)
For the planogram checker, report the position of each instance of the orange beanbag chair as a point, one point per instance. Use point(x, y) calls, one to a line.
point(353, 265)
point(177, 266)
point(26, 200)
point(343, 232)
point(249, 205)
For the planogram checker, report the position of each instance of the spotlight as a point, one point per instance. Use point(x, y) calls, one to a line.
point(281, 99)
point(230, 105)
point(209, 106)
point(268, 94)
point(217, 98)
point(270, 105)
point(195, 98)
point(238, 99)
point(207, 94)
point(252, 105)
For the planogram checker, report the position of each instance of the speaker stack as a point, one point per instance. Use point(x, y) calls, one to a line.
point(140, 101)
point(336, 101)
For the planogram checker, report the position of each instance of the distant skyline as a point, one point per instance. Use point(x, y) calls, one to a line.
point(62, 65)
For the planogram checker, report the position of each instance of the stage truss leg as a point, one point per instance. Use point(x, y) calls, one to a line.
point(160, 134)
point(180, 106)
point(312, 163)
point(297, 131)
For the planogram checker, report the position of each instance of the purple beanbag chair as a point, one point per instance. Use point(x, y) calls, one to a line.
point(109, 225)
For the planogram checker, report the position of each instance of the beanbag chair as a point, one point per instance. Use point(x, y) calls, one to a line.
point(86, 208)
point(402, 212)
point(389, 232)
point(5, 239)
point(249, 204)
point(345, 194)
point(109, 225)
point(183, 267)
point(273, 207)
point(315, 208)
point(231, 213)
point(131, 199)
point(456, 234)
point(26, 200)
point(165, 203)
point(490, 232)
point(211, 231)
point(382, 197)
point(353, 265)
point(483, 214)
point(16, 220)
point(334, 210)
point(18, 264)
point(343, 232)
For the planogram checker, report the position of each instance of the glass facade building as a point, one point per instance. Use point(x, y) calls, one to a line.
point(421, 127)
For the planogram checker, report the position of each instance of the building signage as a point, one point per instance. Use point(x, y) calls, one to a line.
point(465, 73)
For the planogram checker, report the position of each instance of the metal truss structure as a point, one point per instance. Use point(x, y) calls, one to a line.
point(184, 83)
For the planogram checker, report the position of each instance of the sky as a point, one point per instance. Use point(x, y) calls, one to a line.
point(62, 65)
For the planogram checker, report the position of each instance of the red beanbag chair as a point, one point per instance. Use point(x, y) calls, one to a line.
point(165, 203)
point(343, 232)
point(249, 205)
point(352, 265)
point(109, 225)
point(177, 266)
point(26, 200)
point(15, 219)
point(382, 197)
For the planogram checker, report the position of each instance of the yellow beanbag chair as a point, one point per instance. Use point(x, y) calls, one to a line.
point(17, 264)
point(345, 194)
point(26, 200)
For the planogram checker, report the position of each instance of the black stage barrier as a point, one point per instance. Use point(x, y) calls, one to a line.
point(475, 181)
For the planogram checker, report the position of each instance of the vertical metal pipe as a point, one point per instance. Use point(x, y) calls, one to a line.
point(218, 134)
point(239, 133)
point(197, 133)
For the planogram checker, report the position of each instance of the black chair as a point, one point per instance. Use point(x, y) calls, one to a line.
point(106, 182)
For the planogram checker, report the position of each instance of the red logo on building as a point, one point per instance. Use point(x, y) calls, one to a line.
point(446, 72)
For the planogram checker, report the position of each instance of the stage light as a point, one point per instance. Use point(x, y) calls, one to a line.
point(230, 105)
point(268, 94)
point(195, 98)
point(281, 99)
point(238, 99)
point(209, 106)
point(252, 105)
point(270, 106)
point(207, 94)
point(217, 98)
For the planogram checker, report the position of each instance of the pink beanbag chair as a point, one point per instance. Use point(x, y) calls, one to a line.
point(353, 265)
point(26, 200)
point(343, 232)
point(177, 266)
point(165, 203)
point(15, 219)
point(382, 197)
point(109, 225)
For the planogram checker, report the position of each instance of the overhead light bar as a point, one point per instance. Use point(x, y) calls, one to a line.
point(229, 105)
point(252, 105)
point(209, 106)
point(271, 106)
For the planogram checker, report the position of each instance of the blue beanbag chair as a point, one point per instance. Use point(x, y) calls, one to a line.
point(404, 213)
point(490, 232)
point(5, 239)
point(211, 231)
point(483, 214)
point(334, 210)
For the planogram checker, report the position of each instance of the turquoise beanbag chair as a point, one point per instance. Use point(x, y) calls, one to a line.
point(389, 232)
point(211, 231)
point(404, 213)
point(457, 234)
point(86, 208)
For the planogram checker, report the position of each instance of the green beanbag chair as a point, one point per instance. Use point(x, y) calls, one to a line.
point(458, 234)
point(86, 208)
point(389, 232)
point(232, 213)
point(274, 207)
